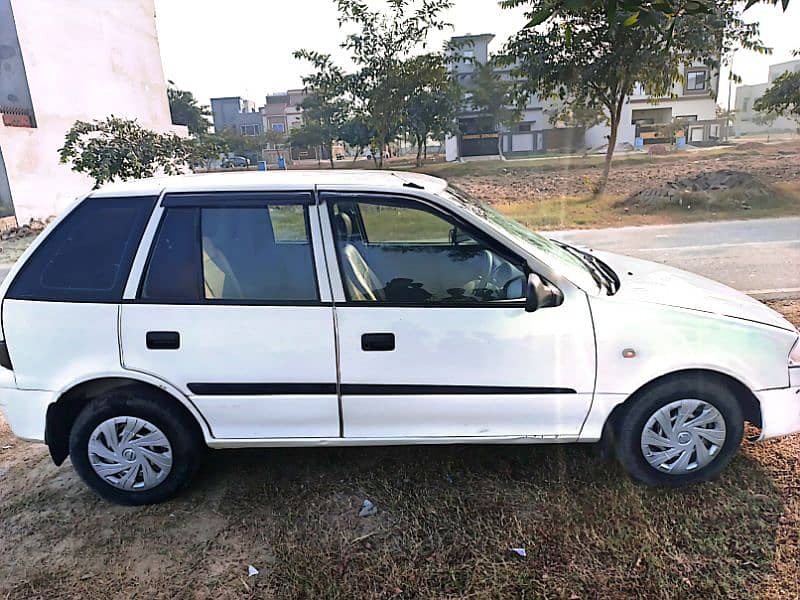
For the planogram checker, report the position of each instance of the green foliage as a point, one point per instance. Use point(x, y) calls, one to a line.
point(782, 98)
point(185, 110)
point(206, 149)
point(115, 148)
point(357, 133)
point(381, 44)
point(587, 55)
point(434, 101)
point(325, 109)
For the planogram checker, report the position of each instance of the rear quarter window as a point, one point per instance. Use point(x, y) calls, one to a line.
point(88, 256)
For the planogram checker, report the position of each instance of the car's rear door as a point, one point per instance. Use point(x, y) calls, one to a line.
point(233, 308)
point(434, 339)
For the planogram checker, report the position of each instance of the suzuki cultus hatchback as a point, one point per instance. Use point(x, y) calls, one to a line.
point(160, 316)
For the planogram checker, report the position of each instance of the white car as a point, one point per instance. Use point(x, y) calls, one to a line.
point(317, 308)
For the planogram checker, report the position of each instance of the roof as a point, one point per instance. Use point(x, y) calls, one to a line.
point(272, 180)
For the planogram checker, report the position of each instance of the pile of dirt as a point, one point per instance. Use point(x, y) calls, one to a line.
point(721, 189)
point(34, 227)
point(750, 146)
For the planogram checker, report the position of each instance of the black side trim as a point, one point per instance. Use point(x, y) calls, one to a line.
point(235, 199)
point(260, 389)
point(357, 389)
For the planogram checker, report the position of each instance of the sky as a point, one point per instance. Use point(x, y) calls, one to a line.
point(244, 48)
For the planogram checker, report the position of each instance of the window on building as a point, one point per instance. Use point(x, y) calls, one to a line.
point(250, 130)
point(279, 127)
point(524, 128)
point(745, 104)
point(686, 118)
point(696, 80)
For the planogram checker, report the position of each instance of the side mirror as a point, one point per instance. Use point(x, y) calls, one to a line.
point(541, 294)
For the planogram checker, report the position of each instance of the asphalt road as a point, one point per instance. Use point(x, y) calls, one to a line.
point(760, 257)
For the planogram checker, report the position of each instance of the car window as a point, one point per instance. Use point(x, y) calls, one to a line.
point(407, 252)
point(253, 254)
point(88, 256)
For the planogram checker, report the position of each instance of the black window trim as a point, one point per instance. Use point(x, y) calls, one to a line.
point(413, 202)
point(280, 199)
point(135, 243)
point(232, 199)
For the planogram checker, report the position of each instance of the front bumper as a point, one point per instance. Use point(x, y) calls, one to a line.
point(26, 411)
point(780, 412)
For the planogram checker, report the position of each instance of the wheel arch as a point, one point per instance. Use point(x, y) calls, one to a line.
point(748, 402)
point(62, 413)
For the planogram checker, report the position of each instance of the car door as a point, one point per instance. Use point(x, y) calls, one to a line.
point(230, 310)
point(434, 339)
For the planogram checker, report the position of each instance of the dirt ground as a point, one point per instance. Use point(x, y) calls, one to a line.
point(510, 184)
point(447, 520)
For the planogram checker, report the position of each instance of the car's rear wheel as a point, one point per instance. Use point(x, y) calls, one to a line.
point(134, 447)
point(679, 432)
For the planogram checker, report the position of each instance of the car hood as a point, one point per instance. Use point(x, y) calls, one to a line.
point(645, 281)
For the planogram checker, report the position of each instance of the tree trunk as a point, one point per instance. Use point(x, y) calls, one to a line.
point(330, 153)
point(425, 148)
point(612, 142)
point(419, 151)
point(357, 154)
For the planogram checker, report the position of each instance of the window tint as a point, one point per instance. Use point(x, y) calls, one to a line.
point(258, 254)
point(173, 272)
point(411, 254)
point(88, 256)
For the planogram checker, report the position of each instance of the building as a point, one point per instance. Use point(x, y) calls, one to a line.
point(747, 119)
point(233, 112)
point(282, 111)
point(690, 109)
point(61, 62)
point(644, 119)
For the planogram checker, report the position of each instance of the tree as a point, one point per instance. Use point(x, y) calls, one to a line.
point(379, 46)
point(433, 103)
point(325, 109)
point(206, 149)
point(587, 55)
point(357, 134)
point(115, 148)
point(185, 110)
point(782, 98)
point(493, 96)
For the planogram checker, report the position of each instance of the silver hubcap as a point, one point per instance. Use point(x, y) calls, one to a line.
point(683, 436)
point(130, 453)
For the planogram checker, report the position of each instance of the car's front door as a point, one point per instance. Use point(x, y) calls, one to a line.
point(230, 311)
point(434, 339)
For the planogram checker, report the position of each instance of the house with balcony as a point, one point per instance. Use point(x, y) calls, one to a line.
point(42, 93)
point(690, 110)
point(747, 119)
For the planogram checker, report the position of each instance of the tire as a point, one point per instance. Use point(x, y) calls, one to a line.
point(675, 396)
point(165, 461)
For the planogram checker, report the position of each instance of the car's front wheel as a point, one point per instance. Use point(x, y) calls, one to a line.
point(679, 432)
point(132, 447)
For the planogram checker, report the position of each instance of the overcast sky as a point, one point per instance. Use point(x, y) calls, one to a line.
point(244, 48)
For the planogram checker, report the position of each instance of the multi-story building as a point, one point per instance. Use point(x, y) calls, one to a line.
point(234, 112)
point(281, 113)
point(748, 120)
point(42, 93)
point(647, 119)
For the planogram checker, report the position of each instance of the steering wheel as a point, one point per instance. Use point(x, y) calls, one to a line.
point(489, 270)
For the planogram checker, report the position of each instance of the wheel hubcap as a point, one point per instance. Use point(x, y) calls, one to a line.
point(130, 453)
point(683, 436)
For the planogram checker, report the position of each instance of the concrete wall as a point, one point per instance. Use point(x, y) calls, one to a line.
point(84, 60)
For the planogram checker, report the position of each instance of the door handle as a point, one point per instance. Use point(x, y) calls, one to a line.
point(377, 342)
point(163, 340)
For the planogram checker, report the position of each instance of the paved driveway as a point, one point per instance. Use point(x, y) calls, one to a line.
point(760, 257)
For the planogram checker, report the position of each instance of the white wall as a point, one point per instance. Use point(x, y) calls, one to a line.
point(84, 60)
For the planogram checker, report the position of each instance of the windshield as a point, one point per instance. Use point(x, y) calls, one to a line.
point(552, 253)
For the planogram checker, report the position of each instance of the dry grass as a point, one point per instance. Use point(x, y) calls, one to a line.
point(447, 519)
